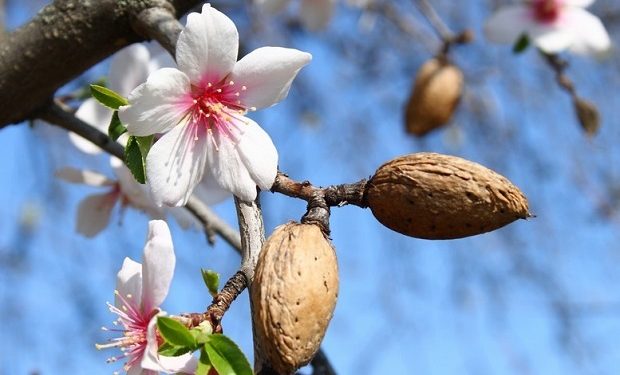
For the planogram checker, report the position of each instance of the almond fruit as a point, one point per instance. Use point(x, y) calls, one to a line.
point(293, 295)
point(434, 196)
point(436, 92)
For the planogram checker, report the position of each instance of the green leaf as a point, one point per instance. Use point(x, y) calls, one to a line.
point(107, 97)
point(175, 333)
point(521, 44)
point(145, 144)
point(116, 128)
point(204, 363)
point(169, 350)
point(226, 356)
point(212, 280)
point(134, 160)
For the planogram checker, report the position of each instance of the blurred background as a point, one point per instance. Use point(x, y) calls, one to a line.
point(536, 297)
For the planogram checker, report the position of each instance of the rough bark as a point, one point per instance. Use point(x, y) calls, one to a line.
point(61, 42)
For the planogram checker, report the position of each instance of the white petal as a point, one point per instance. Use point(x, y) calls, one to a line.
point(184, 364)
point(96, 115)
point(507, 24)
point(207, 47)
point(129, 282)
point(267, 74)
point(137, 194)
point(579, 3)
point(240, 166)
point(157, 105)
point(86, 177)
point(591, 38)
point(175, 164)
point(315, 14)
point(272, 6)
point(551, 38)
point(94, 213)
point(209, 191)
point(129, 68)
point(158, 265)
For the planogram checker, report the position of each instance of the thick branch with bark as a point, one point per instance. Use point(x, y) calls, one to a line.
point(65, 39)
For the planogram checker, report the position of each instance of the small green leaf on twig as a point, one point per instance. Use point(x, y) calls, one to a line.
point(521, 44)
point(134, 160)
point(204, 363)
point(107, 97)
point(212, 280)
point(116, 128)
point(226, 357)
point(175, 333)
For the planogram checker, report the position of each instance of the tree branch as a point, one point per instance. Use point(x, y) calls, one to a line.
point(65, 39)
point(334, 195)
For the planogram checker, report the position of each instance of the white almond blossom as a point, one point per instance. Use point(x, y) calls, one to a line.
point(314, 14)
point(95, 210)
point(552, 25)
point(128, 68)
point(140, 290)
point(201, 108)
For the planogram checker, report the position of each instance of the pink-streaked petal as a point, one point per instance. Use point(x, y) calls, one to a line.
point(591, 38)
point(157, 105)
point(85, 177)
point(267, 74)
point(95, 115)
point(157, 265)
point(207, 47)
point(94, 213)
point(129, 68)
point(175, 164)
point(129, 282)
point(237, 165)
point(508, 23)
point(184, 364)
point(272, 6)
point(316, 14)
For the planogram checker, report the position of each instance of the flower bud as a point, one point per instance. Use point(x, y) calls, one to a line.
point(434, 96)
point(588, 116)
point(293, 295)
point(434, 196)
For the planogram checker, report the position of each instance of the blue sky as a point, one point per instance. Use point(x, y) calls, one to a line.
point(537, 297)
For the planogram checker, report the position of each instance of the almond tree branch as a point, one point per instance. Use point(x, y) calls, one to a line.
point(334, 195)
point(65, 39)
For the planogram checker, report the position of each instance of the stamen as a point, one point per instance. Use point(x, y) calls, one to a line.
point(243, 88)
point(231, 83)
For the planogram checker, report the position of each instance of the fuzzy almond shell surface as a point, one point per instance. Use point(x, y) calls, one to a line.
point(436, 92)
point(294, 294)
point(435, 196)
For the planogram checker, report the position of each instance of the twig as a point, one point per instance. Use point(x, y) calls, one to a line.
point(433, 19)
point(334, 195)
point(213, 223)
point(321, 366)
point(586, 112)
point(220, 304)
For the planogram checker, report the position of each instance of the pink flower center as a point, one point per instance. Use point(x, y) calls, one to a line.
point(133, 325)
point(215, 106)
point(546, 11)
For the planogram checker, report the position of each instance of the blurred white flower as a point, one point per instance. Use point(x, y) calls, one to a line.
point(201, 109)
point(129, 67)
point(314, 14)
point(552, 25)
point(140, 290)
